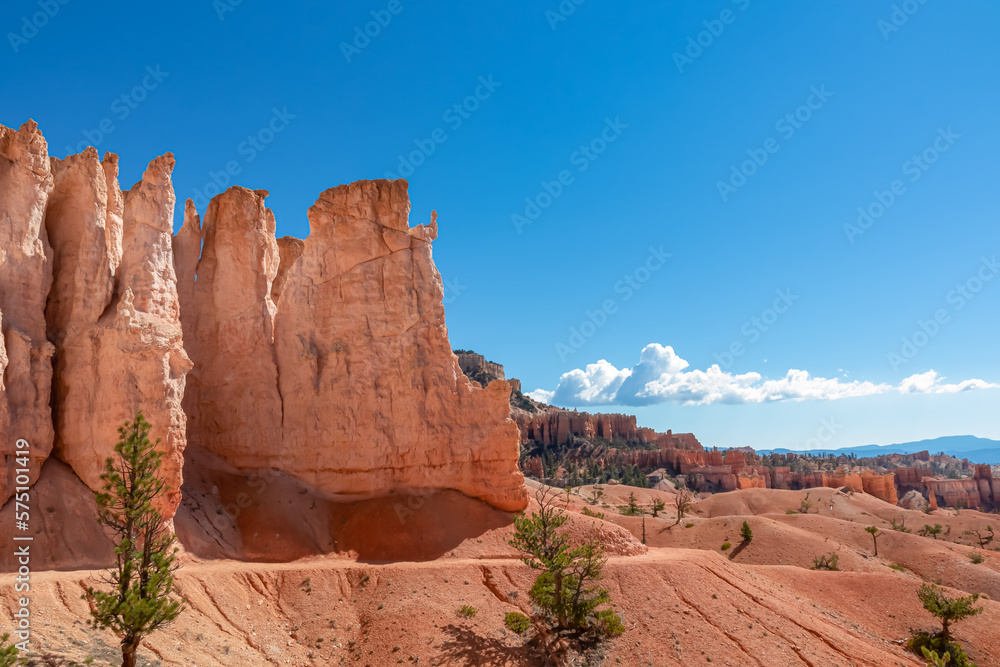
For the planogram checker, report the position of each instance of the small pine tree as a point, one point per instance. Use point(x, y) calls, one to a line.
point(658, 506)
point(633, 505)
point(141, 580)
point(948, 610)
point(873, 531)
point(565, 590)
point(8, 652)
point(745, 533)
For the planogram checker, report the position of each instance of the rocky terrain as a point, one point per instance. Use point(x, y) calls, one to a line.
point(569, 447)
point(340, 487)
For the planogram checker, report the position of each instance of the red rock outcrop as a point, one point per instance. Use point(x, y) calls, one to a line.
point(348, 381)
point(113, 315)
point(351, 387)
point(25, 278)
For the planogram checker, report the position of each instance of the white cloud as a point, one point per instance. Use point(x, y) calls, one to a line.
point(662, 376)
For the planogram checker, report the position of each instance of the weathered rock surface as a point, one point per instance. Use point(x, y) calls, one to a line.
point(25, 278)
point(232, 397)
point(347, 381)
point(113, 315)
point(351, 388)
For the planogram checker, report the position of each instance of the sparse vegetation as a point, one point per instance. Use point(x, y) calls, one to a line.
point(658, 506)
point(898, 568)
point(947, 610)
point(138, 600)
point(517, 622)
point(8, 652)
point(565, 592)
point(589, 512)
point(827, 562)
point(983, 539)
point(805, 505)
point(632, 508)
point(873, 531)
point(726, 545)
point(932, 531)
point(976, 557)
point(683, 502)
point(899, 527)
point(467, 611)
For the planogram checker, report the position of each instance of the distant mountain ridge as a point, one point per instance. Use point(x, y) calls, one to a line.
point(976, 449)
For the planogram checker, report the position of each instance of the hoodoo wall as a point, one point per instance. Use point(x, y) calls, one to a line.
point(343, 376)
point(326, 358)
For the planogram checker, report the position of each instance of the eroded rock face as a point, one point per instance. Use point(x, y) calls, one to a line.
point(113, 314)
point(25, 278)
point(350, 385)
point(232, 399)
point(329, 358)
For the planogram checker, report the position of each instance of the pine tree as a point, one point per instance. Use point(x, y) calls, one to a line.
point(949, 610)
point(745, 533)
point(140, 582)
point(566, 589)
point(873, 531)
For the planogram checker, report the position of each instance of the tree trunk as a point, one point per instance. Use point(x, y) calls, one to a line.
point(128, 652)
point(945, 633)
point(557, 597)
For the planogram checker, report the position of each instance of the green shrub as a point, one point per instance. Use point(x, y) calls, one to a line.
point(608, 623)
point(689, 525)
point(925, 642)
point(726, 545)
point(517, 622)
point(828, 562)
point(8, 653)
point(976, 557)
point(467, 611)
point(596, 515)
point(900, 568)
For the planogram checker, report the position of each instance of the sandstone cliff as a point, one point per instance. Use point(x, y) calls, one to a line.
point(112, 314)
point(25, 278)
point(348, 382)
point(327, 359)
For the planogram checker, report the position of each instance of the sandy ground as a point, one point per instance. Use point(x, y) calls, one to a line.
point(388, 591)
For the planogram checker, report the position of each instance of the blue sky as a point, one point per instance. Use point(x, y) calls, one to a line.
point(587, 175)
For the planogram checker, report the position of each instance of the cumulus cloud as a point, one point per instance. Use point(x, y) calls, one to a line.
point(662, 376)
